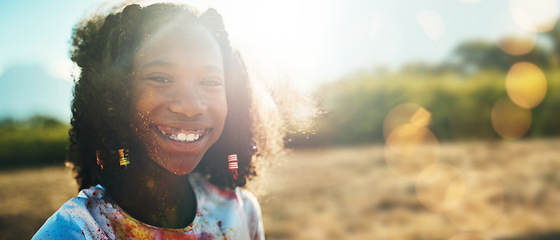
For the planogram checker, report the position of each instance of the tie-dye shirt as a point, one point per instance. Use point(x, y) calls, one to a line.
point(221, 214)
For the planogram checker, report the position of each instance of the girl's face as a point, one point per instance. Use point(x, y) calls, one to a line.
point(178, 106)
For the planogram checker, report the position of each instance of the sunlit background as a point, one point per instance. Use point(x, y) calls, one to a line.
point(440, 118)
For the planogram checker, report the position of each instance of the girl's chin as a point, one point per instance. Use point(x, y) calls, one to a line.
point(177, 166)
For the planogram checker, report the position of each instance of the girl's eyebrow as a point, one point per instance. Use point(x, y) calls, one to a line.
point(162, 63)
point(157, 63)
point(212, 68)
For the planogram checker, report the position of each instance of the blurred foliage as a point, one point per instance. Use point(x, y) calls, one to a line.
point(39, 140)
point(476, 70)
point(357, 106)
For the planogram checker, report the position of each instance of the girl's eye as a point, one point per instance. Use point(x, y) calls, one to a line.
point(160, 79)
point(212, 82)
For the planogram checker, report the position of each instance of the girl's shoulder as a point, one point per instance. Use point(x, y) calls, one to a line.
point(252, 212)
point(215, 200)
point(73, 219)
point(214, 195)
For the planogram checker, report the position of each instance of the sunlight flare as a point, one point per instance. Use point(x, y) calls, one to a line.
point(526, 85)
point(403, 114)
point(534, 15)
point(517, 45)
point(510, 121)
point(410, 148)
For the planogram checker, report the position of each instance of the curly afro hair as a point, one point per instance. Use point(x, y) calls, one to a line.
point(104, 46)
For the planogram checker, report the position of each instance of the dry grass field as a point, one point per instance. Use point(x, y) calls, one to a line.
point(479, 190)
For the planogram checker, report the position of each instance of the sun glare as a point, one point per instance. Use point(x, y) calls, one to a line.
point(534, 15)
point(289, 35)
point(286, 39)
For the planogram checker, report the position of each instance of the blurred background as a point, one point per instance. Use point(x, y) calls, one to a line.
point(440, 119)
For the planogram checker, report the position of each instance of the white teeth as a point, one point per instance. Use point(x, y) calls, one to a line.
point(190, 137)
point(181, 137)
point(184, 137)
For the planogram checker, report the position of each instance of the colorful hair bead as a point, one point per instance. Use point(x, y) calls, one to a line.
point(123, 154)
point(232, 164)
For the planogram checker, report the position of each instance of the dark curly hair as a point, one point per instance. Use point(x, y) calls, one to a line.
point(103, 48)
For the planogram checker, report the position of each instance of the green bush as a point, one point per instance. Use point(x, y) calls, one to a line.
point(35, 141)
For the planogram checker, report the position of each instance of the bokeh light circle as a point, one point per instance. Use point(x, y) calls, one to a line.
point(526, 84)
point(470, 119)
point(432, 24)
point(534, 15)
point(404, 114)
point(509, 120)
point(438, 187)
point(410, 148)
point(517, 45)
point(481, 204)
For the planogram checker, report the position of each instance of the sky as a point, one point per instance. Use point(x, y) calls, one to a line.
point(309, 41)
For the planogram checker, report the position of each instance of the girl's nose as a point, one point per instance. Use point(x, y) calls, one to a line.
point(187, 101)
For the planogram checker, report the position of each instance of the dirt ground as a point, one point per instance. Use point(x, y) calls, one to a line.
point(477, 190)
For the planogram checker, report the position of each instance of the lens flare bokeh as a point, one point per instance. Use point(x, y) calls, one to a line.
point(410, 148)
point(526, 85)
point(432, 24)
point(517, 45)
point(534, 15)
point(509, 120)
point(438, 187)
point(403, 114)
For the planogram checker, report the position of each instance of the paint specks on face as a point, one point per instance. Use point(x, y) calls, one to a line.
point(178, 90)
point(150, 183)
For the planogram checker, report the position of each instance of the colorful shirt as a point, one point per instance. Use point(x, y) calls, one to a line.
point(221, 214)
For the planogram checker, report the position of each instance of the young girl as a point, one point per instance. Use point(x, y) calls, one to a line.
point(164, 131)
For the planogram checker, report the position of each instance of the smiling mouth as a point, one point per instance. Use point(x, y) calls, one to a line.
point(183, 135)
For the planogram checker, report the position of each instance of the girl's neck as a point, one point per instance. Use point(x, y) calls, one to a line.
point(154, 196)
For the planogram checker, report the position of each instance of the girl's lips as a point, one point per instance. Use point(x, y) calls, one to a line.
point(182, 140)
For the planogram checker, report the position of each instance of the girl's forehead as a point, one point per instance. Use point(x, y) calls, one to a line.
point(185, 34)
point(192, 42)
